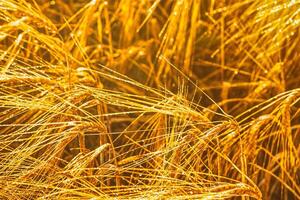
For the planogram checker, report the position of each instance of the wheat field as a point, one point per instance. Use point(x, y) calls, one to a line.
point(149, 99)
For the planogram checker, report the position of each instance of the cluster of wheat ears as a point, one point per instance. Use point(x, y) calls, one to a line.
point(149, 99)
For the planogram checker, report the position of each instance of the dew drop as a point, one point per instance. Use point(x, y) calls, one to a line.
point(71, 123)
point(93, 2)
